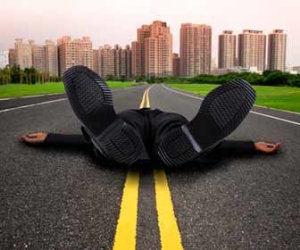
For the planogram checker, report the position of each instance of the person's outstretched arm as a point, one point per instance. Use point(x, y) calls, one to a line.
point(228, 147)
point(52, 139)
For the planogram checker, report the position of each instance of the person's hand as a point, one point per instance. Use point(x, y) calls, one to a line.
point(266, 147)
point(34, 138)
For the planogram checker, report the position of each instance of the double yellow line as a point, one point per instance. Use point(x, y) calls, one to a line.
point(145, 103)
point(125, 237)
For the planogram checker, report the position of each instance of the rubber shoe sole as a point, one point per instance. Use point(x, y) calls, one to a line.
point(91, 101)
point(221, 112)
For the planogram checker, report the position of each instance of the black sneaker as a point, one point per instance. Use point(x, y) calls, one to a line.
point(221, 112)
point(91, 100)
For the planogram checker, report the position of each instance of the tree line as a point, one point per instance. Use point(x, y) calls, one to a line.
point(31, 75)
point(268, 78)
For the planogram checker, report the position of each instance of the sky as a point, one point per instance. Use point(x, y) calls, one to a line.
point(116, 21)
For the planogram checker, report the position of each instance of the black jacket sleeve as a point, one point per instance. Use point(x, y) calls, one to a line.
point(62, 140)
point(228, 147)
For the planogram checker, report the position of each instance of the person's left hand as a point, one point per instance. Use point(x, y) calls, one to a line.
point(34, 138)
point(266, 147)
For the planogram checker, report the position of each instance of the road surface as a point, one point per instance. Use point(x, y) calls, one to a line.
point(64, 199)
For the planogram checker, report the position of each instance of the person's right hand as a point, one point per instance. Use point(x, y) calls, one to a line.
point(34, 138)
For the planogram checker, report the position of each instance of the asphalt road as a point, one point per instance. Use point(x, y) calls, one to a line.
point(63, 199)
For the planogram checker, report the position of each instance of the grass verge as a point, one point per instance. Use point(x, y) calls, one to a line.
point(281, 97)
point(18, 90)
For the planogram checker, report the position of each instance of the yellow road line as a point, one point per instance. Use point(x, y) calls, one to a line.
point(125, 237)
point(147, 105)
point(168, 228)
point(169, 232)
point(143, 100)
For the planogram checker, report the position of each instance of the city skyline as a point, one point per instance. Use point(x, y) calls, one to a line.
point(115, 22)
point(151, 54)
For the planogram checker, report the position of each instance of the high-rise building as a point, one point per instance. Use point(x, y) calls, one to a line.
point(252, 49)
point(128, 58)
point(176, 65)
point(45, 58)
point(277, 50)
point(107, 61)
point(39, 58)
point(117, 52)
point(227, 50)
point(138, 68)
point(123, 62)
point(51, 57)
point(12, 57)
point(4, 59)
point(195, 49)
point(96, 58)
point(115, 62)
point(152, 52)
point(24, 53)
point(74, 52)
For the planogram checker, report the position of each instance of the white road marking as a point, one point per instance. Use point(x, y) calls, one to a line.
point(253, 112)
point(32, 105)
point(29, 96)
point(42, 103)
point(45, 95)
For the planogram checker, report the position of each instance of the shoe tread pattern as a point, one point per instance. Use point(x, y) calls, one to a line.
point(121, 143)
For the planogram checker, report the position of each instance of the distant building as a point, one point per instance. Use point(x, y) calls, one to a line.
point(39, 58)
point(107, 61)
point(218, 71)
point(23, 54)
point(176, 65)
point(277, 50)
point(51, 57)
point(96, 58)
point(252, 49)
point(195, 49)
point(296, 69)
point(12, 57)
point(43, 58)
point(115, 62)
point(74, 52)
point(138, 59)
point(227, 50)
point(152, 52)
point(4, 59)
point(124, 62)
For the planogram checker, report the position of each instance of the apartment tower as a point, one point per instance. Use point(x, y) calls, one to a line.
point(12, 57)
point(23, 53)
point(39, 57)
point(227, 50)
point(74, 52)
point(152, 52)
point(123, 61)
point(138, 51)
point(277, 50)
point(51, 57)
point(252, 49)
point(176, 65)
point(107, 61)
point(195, 49)
point(96, 58)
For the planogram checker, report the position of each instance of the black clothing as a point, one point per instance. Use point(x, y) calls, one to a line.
point(151, 124)
point(225, 147)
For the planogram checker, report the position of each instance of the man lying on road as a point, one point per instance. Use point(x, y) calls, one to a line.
point(133, 136)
